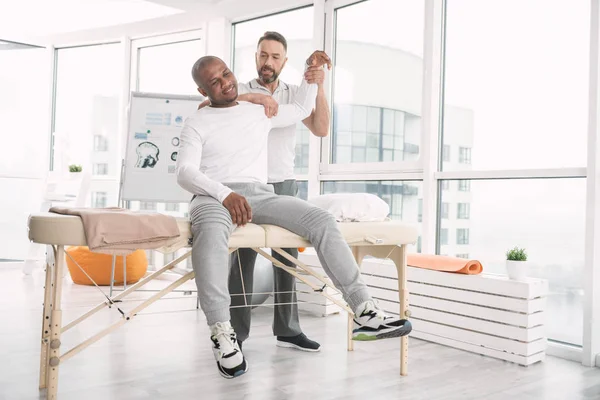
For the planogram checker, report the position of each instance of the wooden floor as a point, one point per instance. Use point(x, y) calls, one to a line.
point(165, 353)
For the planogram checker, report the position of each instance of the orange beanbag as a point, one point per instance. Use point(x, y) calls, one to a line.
point(98, 266)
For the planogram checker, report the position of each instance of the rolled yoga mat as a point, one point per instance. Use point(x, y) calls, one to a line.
point(444, 263)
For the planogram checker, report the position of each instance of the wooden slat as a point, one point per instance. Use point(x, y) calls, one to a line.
point(492, 328)
point(522, 360)
point(528, 306)
point(476, 338)
point(469, 310)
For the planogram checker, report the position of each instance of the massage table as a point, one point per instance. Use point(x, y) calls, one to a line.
point(378, 239)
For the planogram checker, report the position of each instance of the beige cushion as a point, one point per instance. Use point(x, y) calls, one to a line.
point(355, 233)
point(67, 230)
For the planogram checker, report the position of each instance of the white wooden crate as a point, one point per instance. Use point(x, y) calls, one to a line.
point(485, 314)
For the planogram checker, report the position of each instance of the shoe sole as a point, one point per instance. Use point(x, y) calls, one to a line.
point(400, 331)
point(295, 346)
point(235, 375)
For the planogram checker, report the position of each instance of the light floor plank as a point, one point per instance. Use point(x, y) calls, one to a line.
point(167, 355)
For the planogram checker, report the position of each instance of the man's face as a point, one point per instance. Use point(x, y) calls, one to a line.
point(219, 84)
point(270, 60)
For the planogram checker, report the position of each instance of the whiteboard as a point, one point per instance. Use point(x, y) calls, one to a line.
point(154, 125)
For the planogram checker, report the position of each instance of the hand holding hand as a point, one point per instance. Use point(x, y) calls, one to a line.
point(318, 59)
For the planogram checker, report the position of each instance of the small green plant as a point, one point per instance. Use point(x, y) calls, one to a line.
point(516, 254)
point(75, 168)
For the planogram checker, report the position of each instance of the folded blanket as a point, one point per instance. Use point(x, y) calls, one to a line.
point(444, 263)
point(120, 231)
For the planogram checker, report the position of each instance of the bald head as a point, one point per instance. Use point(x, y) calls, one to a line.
point(200, 65)
point(215, 81)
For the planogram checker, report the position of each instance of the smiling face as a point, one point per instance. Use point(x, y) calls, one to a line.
point(217, 82)
point(270, 60)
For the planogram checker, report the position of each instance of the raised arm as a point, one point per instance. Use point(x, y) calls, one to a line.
point(188, 171)
point(304, 101)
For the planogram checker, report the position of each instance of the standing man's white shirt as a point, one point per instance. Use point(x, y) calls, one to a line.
point(228, 145)
point(282, 141)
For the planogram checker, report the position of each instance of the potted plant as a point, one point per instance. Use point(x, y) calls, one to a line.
point(516, 263)
point(74, 172)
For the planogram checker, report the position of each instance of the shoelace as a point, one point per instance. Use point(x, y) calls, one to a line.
point(226, 338)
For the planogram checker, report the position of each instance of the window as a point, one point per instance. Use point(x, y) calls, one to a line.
point(511, 212)
point(463, 211)
point(445, 185)
point(297, 28)
point(419, 244)
point(463, 255)
point(359, 139)
point(464, 155)
point(446, 153)
point(99, 199)
point(172, 60)
point(401, 196)
point(147, 206)
point(420, 216)
point(506, 121)
point(445, 211)
point(86, 113)
point(24, 83)
point(150, 257)
point(462, 236)
point(100, 169)
point(169, 257)
point(464, 185)
point(172, 207)
point(370, 125)
point(100, 143)
point(302, 190)
point(443, 236)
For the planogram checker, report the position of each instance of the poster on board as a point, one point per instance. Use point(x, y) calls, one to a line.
point(154, 125)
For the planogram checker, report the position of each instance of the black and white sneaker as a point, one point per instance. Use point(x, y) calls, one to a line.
point(371, 323)
point(229, 357)
point(299, 342)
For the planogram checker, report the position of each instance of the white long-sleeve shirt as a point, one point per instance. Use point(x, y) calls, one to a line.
point(282, 141)
point(227, 145)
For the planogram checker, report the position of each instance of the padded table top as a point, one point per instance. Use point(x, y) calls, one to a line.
point(67, 230)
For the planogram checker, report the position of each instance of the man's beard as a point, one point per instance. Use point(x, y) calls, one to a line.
point(273, 77)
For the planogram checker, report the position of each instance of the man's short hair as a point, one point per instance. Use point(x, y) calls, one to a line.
point(276, 36)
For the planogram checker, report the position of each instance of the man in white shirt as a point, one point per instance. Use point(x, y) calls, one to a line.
point(223, 162)
point(270, 59)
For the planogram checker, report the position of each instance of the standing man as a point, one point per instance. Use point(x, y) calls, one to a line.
point(270, 59)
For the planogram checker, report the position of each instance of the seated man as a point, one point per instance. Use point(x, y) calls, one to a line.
point(223, 162)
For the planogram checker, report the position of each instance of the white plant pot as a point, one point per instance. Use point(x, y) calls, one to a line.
point(517, 270)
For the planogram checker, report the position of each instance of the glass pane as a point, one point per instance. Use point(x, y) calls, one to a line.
point(519, 97)
point(303, 190)
point(297, 28)
point(166, 68)
point(502, 214)
point(88, 86)
point(395, 40)
point(23, 88)
point(403, 197)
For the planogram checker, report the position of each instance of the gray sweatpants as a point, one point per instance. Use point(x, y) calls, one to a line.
point(285, 312)
point(212, 226)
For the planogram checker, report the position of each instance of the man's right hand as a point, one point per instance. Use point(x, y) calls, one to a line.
point(270, 104)
point(238, 207)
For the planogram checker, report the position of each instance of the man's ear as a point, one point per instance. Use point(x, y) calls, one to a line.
point(284, 62)
point(202, 92)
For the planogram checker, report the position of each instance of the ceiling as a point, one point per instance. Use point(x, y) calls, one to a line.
point(38, 18)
